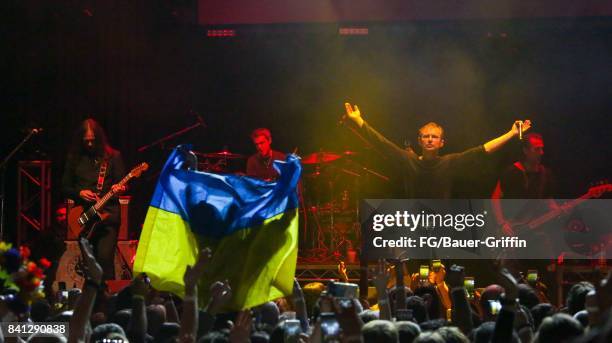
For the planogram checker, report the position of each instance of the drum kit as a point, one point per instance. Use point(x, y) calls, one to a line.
point(329, 194)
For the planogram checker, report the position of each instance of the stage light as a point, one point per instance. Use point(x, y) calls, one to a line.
point(353, 31)
point(221, 33)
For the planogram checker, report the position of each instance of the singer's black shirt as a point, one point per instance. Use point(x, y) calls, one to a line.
point(426, 179)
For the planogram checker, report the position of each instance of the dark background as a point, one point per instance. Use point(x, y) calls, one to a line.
point(140, 68)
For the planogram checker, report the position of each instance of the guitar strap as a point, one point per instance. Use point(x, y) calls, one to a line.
point(102, 175)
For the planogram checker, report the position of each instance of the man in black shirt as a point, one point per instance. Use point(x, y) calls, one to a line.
point(84, 183)
point(525, 179)
point(430, 175)
point(259, 165)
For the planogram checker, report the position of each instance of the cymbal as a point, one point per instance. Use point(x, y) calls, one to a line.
point(220, 154)
point(320, 157)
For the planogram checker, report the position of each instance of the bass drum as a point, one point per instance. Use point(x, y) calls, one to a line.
point(70, 266)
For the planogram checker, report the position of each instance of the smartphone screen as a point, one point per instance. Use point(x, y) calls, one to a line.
point(532, 276)
point(424, 271)
point(343, 290)
point(292, 330)
point(436, 264)
point(468, 283)
point(330, 328)
point(495, 306)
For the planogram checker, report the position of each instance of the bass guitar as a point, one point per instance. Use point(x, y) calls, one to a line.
point(536, 223)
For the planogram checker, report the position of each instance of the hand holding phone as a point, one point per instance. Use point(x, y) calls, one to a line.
point(468, 283)
point(424, 271)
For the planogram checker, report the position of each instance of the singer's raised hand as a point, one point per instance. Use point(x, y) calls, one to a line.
point(354, 114)
point(526, 124)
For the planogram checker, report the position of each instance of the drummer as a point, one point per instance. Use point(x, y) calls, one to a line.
point(259, 165)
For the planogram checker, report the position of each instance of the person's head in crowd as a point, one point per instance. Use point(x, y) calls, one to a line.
point(483, 333)
point(168, 332)
point(221, 336)
point(407, 331)
point(380, 331)
point(278, 334)
point(491, 293)
point(12, 308)
point(558, 328)
point(582, 317)
point(114, 337)
point(122, 318)
point(103, 331)
point(312, 292)
point(368, 315)
point(63, 316)
point(452, 334)
point(577, 295)
point(260, 337)
point(47, 338)
point(393, 292)
point(432, 325)
point(432, 300)
point(268, 313)
point(527, 296)
point(418, 307)
point(541, 311)
point(73, 296)
point(283, 305)
point(97, 318)
point(429, 337)
point(40, 310)
point(156, 316)
point(222, 321)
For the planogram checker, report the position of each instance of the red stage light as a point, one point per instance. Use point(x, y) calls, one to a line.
point(353, 31)
point(221, 33)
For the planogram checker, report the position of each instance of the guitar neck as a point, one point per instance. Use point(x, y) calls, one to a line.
point(100, 203)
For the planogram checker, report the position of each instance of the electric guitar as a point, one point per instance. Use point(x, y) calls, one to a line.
point(83, 222)
point(534, 224)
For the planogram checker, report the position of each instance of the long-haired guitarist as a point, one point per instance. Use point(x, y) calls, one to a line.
point(93, 168)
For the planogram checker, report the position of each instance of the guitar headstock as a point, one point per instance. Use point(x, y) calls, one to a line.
point(139, 169)
point(599, 189)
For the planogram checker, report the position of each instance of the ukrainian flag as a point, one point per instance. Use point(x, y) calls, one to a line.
point(250, 225)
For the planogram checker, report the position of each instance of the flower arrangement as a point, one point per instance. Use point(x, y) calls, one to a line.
point(20, 276)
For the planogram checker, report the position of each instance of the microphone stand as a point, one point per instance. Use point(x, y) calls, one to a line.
point(3, 177)
point(173, 135)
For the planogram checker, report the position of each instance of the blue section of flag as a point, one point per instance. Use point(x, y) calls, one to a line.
point(217, 205)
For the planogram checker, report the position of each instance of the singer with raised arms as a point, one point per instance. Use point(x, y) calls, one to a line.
point(430, 175)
